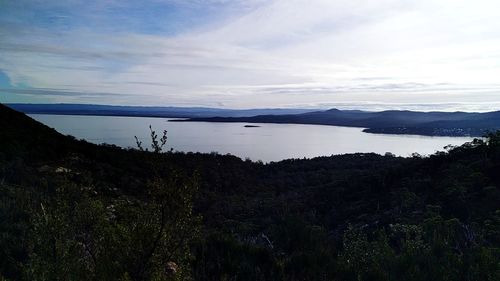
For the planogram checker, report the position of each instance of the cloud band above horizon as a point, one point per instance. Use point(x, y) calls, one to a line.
point(249, 54)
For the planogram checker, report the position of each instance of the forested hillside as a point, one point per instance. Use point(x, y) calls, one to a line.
point(386, 122)
point(71, 210)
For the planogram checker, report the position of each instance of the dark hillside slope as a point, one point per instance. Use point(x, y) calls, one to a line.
point(344, 217)
point(21, 136)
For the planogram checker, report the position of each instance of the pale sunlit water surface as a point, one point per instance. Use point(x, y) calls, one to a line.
point(269, 142)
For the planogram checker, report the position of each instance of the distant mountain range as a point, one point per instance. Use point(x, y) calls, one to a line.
point(386, 122)
point(147, 111)
point(383, 122)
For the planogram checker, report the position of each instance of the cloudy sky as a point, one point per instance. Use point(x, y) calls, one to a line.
point(367, 54)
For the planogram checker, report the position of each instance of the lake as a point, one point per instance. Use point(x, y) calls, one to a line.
point(267, 142)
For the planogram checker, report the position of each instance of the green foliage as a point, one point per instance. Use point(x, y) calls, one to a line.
point(80, 236)
point(303, 250)
point(66, 228)
point(413, 252)
point(222, 257)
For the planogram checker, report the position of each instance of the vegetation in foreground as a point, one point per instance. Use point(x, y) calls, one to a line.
point(71, 210)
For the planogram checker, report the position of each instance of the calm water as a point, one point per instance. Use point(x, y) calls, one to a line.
point(269, 142)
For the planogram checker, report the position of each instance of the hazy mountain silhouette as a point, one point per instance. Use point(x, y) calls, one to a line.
point(391, 121)
point(146, 111)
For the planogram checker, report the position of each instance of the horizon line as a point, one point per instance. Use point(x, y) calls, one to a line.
point(324, 108)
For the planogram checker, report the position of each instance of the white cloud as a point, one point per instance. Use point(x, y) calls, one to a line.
point(281, 53)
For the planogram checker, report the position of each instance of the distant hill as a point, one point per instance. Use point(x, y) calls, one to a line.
point(387, 122)
point(147, 111)
point(383, 122)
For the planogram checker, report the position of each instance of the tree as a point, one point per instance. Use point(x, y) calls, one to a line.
point(81, 234)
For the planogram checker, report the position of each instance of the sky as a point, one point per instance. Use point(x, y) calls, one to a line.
point(357, 54)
